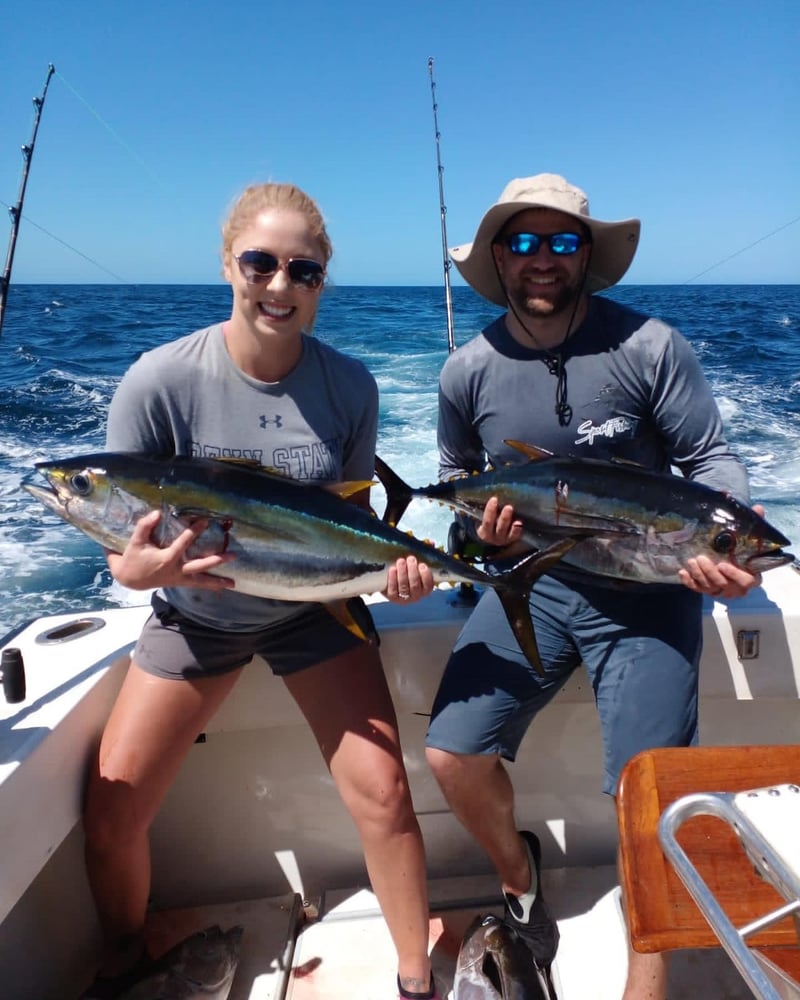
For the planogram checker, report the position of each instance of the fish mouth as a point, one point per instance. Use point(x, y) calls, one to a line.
point(47, 495)
point(763, 561)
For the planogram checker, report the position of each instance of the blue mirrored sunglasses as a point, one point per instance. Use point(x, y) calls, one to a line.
point(528, 244)
point(258, 266)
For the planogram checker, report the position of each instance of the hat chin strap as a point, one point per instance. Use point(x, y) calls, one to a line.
point(553, 359)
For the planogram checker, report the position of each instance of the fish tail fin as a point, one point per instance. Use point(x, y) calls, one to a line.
point(398, 493)
point(514, 591)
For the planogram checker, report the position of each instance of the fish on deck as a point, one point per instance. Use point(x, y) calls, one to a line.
point(494, 963)
point(627, 522)
point(201, 967)
point(293, 541)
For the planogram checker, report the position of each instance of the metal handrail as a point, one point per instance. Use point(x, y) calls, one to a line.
point(765, 980)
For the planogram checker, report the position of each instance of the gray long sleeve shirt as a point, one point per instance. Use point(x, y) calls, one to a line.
point(635, 386)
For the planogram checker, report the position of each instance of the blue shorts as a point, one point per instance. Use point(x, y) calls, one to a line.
point(174, 646)
point(640, 647)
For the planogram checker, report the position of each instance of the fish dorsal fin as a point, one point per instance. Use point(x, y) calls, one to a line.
point(344, 489)
point(347, 489)
point(251, 463)
point(530, 450)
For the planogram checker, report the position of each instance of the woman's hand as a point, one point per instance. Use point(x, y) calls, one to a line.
point(143, 565)
point(409, 580)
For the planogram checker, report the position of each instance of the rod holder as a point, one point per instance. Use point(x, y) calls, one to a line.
point(13, 669)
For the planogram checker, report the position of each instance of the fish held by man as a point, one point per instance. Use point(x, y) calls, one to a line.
point(201, 967)
point(293, 541)
point(494, 963)
point(630, 523)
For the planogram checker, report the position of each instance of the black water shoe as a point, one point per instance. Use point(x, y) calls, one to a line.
point(529, 914)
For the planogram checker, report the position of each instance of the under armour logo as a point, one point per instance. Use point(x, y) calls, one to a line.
point(277, 420)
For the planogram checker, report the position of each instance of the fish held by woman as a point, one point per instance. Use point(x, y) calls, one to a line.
point(293, 541)
point(627, 522)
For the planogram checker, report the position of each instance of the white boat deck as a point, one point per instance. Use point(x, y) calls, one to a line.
point(347, 954)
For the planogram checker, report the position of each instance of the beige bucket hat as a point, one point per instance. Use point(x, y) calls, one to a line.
point(613, 243)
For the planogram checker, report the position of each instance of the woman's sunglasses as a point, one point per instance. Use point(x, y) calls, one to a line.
point(528, 244)
point(258, 266)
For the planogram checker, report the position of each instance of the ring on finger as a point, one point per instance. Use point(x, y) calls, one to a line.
point(403, 596)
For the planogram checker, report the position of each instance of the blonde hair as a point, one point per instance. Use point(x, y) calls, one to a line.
point(260, 198)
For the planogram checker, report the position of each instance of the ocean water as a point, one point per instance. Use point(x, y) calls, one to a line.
point(64, 348)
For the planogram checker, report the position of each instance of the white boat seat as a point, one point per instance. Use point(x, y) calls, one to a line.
point(774, 812)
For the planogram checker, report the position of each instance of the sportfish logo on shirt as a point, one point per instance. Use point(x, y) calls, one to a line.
point(611, 428)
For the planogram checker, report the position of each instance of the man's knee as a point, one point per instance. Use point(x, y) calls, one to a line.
point(453, 769)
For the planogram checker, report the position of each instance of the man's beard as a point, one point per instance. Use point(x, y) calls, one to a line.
point(540, 307)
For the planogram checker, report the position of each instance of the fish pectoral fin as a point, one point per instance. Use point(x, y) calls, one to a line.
point(188, 515)
point(225, 523)
point(530, 451)
point(587, 523)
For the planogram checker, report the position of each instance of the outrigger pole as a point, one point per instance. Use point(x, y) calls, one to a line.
point(443, 213)
point(16, 210)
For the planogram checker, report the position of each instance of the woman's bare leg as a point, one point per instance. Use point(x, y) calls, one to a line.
point(152, 726)
point(348, 705)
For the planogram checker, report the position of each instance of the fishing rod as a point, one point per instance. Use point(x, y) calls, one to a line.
point(456, 536)
point(442, 212)
point(16, 210)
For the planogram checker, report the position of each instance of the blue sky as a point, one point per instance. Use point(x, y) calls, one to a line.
point(682, 113)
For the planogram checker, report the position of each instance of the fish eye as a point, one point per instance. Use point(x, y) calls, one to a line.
point(724, 543)
point(81, 482)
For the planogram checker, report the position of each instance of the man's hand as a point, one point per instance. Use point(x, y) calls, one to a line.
point(719, 579)
point(499, 527)
point(143, 565)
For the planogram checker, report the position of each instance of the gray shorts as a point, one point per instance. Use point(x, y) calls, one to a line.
point(173, 646)
point(641, 650)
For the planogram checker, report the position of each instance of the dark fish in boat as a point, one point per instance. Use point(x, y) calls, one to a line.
point(630, 523)
point(201, 967)
point(494, 963)
point(293, 541)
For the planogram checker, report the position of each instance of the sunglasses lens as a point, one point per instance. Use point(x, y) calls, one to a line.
point(307, 273)
point(564, 243)
point(524, 244)
point(256, 265)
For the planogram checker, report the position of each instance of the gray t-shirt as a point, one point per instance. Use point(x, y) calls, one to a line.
point(635, 386)
point(188, 397)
